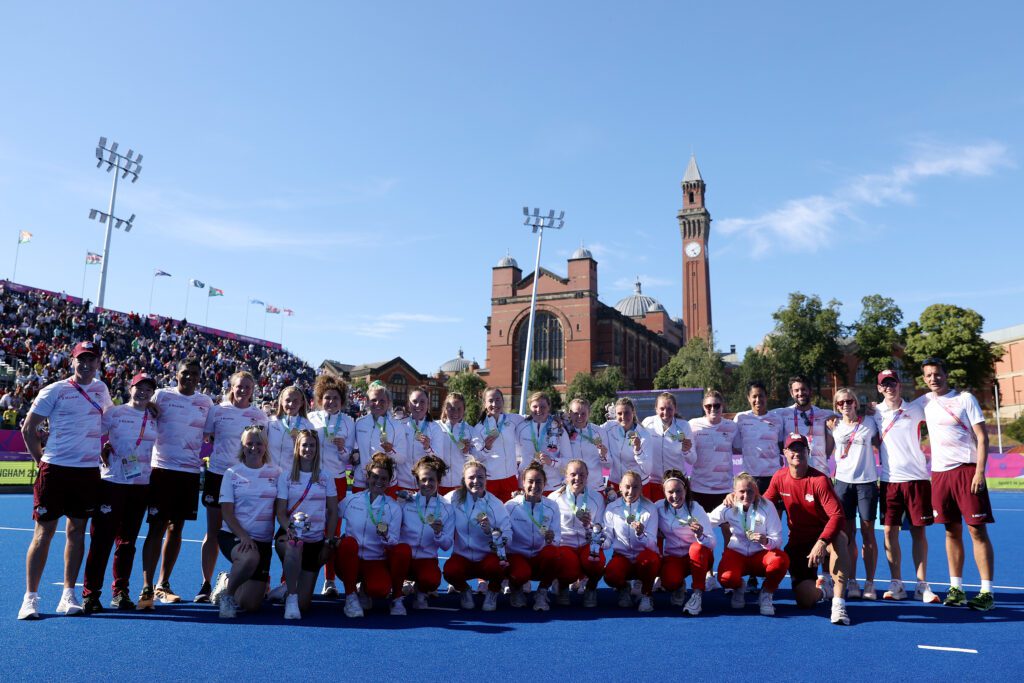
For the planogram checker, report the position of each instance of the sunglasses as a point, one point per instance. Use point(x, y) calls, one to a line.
point(712, 406)
point(846, 402)
point(890, 383)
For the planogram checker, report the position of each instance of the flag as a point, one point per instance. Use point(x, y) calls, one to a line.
point(256, 301)
point(161, 273)
point(197, 283)
point(92, 259)
point(289, 312)
point(273, 309)
point(216, 292)
point(24, 236)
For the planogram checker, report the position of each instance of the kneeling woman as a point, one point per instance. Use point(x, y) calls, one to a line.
point(482, 533)
point(307, 505)
point(756, 536)
point(247, 494)
point(428, 526)
point(689, 543)
point(631, 531)
point(580, 557)
point(536, 534)
point(367, 553)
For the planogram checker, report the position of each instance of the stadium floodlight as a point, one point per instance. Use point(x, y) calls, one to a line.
point(537, 223)
point(125, 166)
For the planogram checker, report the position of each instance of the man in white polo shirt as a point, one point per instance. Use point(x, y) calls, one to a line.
point(69, 474)
point(959, 442)
point(804, 418)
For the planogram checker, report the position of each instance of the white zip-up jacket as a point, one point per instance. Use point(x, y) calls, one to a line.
point(621, 537)
point(675, 528)
point(368, 440)
point(417, 532)
point(764, 520)
point(666, 445)
point(529, 522)
point(361, 523)
point(573, 532)
point(470, 540)
point(500, 458)
point(621, 454)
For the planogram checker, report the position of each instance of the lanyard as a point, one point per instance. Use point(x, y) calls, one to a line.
point(469, 510)
point(303, 497)
point(574, 500)
point(810, 427)
point(462, 432)
point(369, 508)
point(588, 435)
point(142, 431)
point(543, 518)
point(675, 513)
point(498, 425)
point(417, 427)
point(86, 396)
point(748, 519)
point(627, 512)
point(853, 435)
point(423, 514)
point(328, 432)
point(951, 414)
point(895, 419)
point(542, 432)
point(382, 428)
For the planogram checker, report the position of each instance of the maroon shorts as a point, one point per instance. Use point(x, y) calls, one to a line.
point(65, 491)
point(709, 501)
point(911, 498)
point(798, 570)
point(173, 495)
point(952, 497)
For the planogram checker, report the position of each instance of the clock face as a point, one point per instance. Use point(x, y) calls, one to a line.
point(693, 249)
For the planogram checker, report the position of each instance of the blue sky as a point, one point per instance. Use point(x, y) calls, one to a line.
point(365, 164)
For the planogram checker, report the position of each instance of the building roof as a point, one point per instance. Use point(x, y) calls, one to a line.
point(582, 252)
point(455, 365)
point(637, 305)
point(340, 368)
point(1005, 334)
point(692, 172)
point(507, 262)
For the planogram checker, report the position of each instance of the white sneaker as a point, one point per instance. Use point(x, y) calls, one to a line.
point(517, 598)
point(278, 593)
point(739, 599)
point(69, 605)
point(490, 601)
point(695, 604)
point(839, 615)
point(451, 589)
point(646, 604)
point(625, 599)
point(678, 598)
point(924, 593)
point(580, 587)
point(540, 600)
point(869, 592)
point(330, 589)
point(827, 586)
point(765, 605)
point(219, 587)
point(852, 589)
point(398, 607)
point(895, 592)
point(590, 598)
point(365, 601)
point(228, 606)
point(466, 599)
point(419, 601)
point(563, 598)
point(353, 608)
point(291, 607)
point(711, 583)
point(29, 607)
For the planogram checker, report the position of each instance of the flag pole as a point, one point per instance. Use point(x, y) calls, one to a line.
point(17, 250)
point(85, 267)
point(151, 286)
point(188, 290)
point(208, 297)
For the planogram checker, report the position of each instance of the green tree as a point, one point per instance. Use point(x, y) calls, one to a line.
point(876, 333)
point(698, 364)
point(542, 378)
point(806, 339)
point(758, 366)
point(598, 388)
point(360, 385)
point(1015, 430)
point(471, 386)
point(954, 334)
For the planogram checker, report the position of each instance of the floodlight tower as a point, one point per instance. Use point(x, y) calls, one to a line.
point(538, 223)
point(125, 165)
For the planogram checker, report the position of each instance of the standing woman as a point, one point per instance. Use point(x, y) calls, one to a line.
point(336, 431)
point(378, 432)
point(494, 439)
point(857, 487)
point(712, 455)
point(289, 419)
point(247, 493)
point(631, 531)
point(428, 527)
point(689, 542)
point(541, 438)
point(536, 534)
point(426, 433)
point(627, 443)
point(587, 442)
point(307, 507)
point(482, 533)
point(669, 437)
point(367, 553)
point(224, 425)
point(125, 469)
point(580, 507)
point(456, 444)
point(759, 436)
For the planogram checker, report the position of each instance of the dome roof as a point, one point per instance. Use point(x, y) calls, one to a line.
point(507, 261)
point(656, 308)
point(637, 305)
point(582, 252)
point(456, 365)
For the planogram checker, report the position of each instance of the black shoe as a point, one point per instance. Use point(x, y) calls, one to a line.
point(204, 593)
point(122, 602)
point(91, 604)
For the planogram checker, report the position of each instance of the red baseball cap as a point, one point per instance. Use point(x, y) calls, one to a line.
point(84, 347)
point(887, 374)
point(795, 437)
point(142, 377)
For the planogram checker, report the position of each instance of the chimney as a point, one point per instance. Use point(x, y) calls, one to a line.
point(732, 349)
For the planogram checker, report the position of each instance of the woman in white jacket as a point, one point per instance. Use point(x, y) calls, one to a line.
point(581, 509)
point(494, 439)
point(536, 533)
point(428, 527)
point(543, 439)
point(669, 441)
point(631, 531)
point(455, 443)
point(627, 444)
point(379, 432)
point(289, 419)
point(689, 542)
point(587, 441)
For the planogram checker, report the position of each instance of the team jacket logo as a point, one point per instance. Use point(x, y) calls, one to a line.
point(208, 498)
point(154, 511)
point(809, 497)
point(105, 509)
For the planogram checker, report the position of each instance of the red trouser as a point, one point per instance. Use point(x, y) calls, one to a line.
point(695, 564)
point(542, 567)
point(645, 568)
point(458, 569)
point(341, 484)
point(118, 519)
point(576, 563)
point(771, 564)
point(502, 489)
point(379, 577)
point(654, 492)
point(425, 573)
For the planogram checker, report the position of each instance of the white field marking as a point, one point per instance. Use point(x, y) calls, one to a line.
point(947, 649)
point(61, 531)
point(439, 609)
point(880, 580)
point(1008, 509)
point(61, 584)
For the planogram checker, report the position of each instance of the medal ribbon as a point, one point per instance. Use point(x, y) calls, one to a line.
point(328, 432)
point(382, 428)
point(542, 431)
point(853, 435)
point(423, 514)
point(543, 517)
point(369, 508)
point(574, 499)
point(462, 432)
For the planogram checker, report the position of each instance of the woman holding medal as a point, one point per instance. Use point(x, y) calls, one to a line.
point(456, 442)
point(669, 437)
point(581, 512)
point(247, 493)
point(543, 439)
point(754, 542)
point(428, 527)
point(124, 470)
point(857, 487)
point(689, 545)
point(378, 432)
point(369, 552)
point(631, 528)
point(288, 420)
point(426, 433)
point(587, 442)
point(482, 533)
point(627, 443)
point(494, 439)
point(307, 506)
point(536, 534)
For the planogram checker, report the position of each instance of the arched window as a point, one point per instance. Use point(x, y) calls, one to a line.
point(399, 388)
point(548, 346)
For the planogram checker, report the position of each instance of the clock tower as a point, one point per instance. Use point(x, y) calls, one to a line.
point(695, 228)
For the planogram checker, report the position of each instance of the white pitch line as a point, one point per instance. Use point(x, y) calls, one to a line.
point(947, 649)
point(61, 531)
